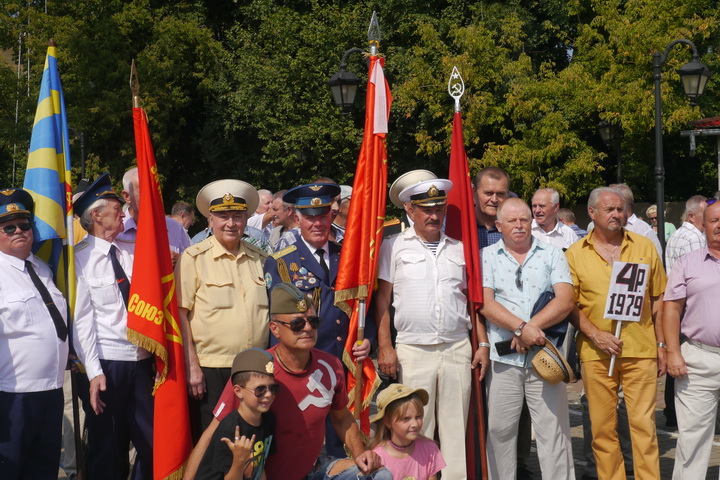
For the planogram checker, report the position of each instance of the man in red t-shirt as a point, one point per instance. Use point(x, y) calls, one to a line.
point(312, 386)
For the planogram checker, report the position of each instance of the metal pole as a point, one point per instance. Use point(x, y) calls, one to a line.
point(659, 161)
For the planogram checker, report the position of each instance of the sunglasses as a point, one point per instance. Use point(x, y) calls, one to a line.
point(263, 389)
point(297, 324)
point(710, 201)
point(10, 229)
point(518, 278)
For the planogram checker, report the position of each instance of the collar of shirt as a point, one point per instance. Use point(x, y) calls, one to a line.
point(536, 245)
point(691, 227)
point(312, 249)
point(410, 233)
point(129, 224)
point(218, 250)
point(99, 244)
point(589, 240)
point(16, 262)
point(538, 228)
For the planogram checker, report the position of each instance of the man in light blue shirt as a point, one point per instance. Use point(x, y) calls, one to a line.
point(516, 271)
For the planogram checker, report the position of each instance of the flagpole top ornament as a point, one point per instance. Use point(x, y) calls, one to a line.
point(51, 42)
point(134, 85)
point(456, 87)
point(374, 34)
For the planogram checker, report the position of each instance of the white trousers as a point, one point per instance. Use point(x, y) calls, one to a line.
point(696, 404)
point(548, 405)
point(444, 371)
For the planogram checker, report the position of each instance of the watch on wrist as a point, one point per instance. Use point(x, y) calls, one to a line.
point(483, 344)
point(518, 331)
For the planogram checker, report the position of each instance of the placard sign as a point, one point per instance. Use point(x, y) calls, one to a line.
point(627, 291)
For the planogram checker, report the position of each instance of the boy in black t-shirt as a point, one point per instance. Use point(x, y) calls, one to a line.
point(252, 426)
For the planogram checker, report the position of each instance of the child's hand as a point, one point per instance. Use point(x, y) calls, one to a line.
point(241, 448)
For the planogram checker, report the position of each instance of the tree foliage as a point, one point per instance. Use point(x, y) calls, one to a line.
point(238, 88)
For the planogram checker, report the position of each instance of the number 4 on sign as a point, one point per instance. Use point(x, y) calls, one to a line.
point(626, 296)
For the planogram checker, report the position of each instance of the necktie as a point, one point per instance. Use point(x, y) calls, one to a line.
point(122, 280)
point(321, 253)
point(60, 326)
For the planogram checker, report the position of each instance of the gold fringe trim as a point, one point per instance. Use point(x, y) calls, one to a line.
point(283, 270)
point(342, 297)
point(154, 347)
point(177, 474)
point(347, 360)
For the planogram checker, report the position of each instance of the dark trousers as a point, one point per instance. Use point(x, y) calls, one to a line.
point(128, 415)
point(30, 435)
point(201, 411)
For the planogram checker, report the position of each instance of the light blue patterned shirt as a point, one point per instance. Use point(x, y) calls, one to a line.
point(544, 266)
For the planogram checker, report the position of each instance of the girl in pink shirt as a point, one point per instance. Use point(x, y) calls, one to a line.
point(398, 423)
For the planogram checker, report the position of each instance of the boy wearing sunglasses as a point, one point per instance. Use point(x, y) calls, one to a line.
point(248, 432)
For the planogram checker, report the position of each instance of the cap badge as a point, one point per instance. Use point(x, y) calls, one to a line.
point(302, 306)
point(315, 188)
point(228, 198)
point(270, 367)
point(12, 207)
point(315, 202)
point(7, 192)
point(433, 192)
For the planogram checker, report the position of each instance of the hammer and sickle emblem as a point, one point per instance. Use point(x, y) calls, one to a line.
point(314, 383)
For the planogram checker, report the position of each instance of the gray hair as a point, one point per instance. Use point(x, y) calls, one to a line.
point(509, 202)
point(279, 194)
point(554, 195)
point(86, 220)
point(626, 193)
point(566, 215)
point(595, 196)
point(129, 179)
point(694, 204)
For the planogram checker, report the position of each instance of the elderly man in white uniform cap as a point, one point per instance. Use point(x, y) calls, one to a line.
point(425, 270)
point(221, 294)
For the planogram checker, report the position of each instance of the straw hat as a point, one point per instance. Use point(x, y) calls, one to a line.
point(551, 366)
point(396, 391)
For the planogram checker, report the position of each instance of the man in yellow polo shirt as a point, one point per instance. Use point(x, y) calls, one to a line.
point(221, 294)
point(640, 351)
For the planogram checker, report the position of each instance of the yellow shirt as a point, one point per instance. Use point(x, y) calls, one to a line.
point(591, 277)
point(227, 300)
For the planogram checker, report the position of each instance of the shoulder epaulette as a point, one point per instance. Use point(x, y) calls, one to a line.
point(254, 248)
point(391, 222)
point(198, 248)
point(81, 246)
point(284, 251)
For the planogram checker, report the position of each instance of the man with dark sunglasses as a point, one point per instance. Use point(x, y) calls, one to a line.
point(33, 319)
point(517, 270)
point(312, 388)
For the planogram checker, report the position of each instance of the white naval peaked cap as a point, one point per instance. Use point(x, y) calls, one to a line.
point(405, 180)
point(227, 195)
point(430, 193)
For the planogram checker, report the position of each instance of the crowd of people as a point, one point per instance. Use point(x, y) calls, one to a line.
point(263, 340)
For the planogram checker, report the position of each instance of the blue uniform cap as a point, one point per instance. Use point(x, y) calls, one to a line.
point(313, 198)
point(15, 203)
point(100, 188)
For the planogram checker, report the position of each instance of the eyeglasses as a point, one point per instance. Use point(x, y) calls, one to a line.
point(263, 389)
point(10, 229)
point(518, 278)
point(297, 324)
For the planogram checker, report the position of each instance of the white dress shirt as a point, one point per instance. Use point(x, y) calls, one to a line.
point(32, 357)
point(100, 326)
point(561, 236)
point(429, 299)
point(686, 239)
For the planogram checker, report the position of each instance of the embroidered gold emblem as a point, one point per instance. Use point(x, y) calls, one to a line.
point(433, 192)
point(270, 368)
point(294, 267)
point(315, 202)
point(228, 198)
point(315, 188)
point(7, 192)
point(12, 207)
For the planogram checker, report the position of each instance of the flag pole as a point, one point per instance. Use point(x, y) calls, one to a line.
point(462, 228)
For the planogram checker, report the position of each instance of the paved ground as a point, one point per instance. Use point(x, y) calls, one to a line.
point(667, 438)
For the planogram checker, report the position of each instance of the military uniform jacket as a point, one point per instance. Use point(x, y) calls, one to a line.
point(298, 265)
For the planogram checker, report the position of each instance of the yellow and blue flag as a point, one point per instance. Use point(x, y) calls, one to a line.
point(48, 179)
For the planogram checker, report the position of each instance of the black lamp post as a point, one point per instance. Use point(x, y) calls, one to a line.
point(611, 135)
point(694, 77)
point(343, 85)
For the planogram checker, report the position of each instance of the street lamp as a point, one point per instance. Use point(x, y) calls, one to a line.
point(611, 135)
point(343, 85)
point(694, 77)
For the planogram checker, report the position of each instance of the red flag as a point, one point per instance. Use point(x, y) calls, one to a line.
point(461, 225)
point(363, 234)
point(153, 320)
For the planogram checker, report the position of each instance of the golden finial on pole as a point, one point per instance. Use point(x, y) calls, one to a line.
point(134, 85)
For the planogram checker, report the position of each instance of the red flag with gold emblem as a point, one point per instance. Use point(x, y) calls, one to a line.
point(153, 320)
point(363, 233)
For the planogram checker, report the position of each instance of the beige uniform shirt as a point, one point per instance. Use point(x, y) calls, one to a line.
point(227, 300)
